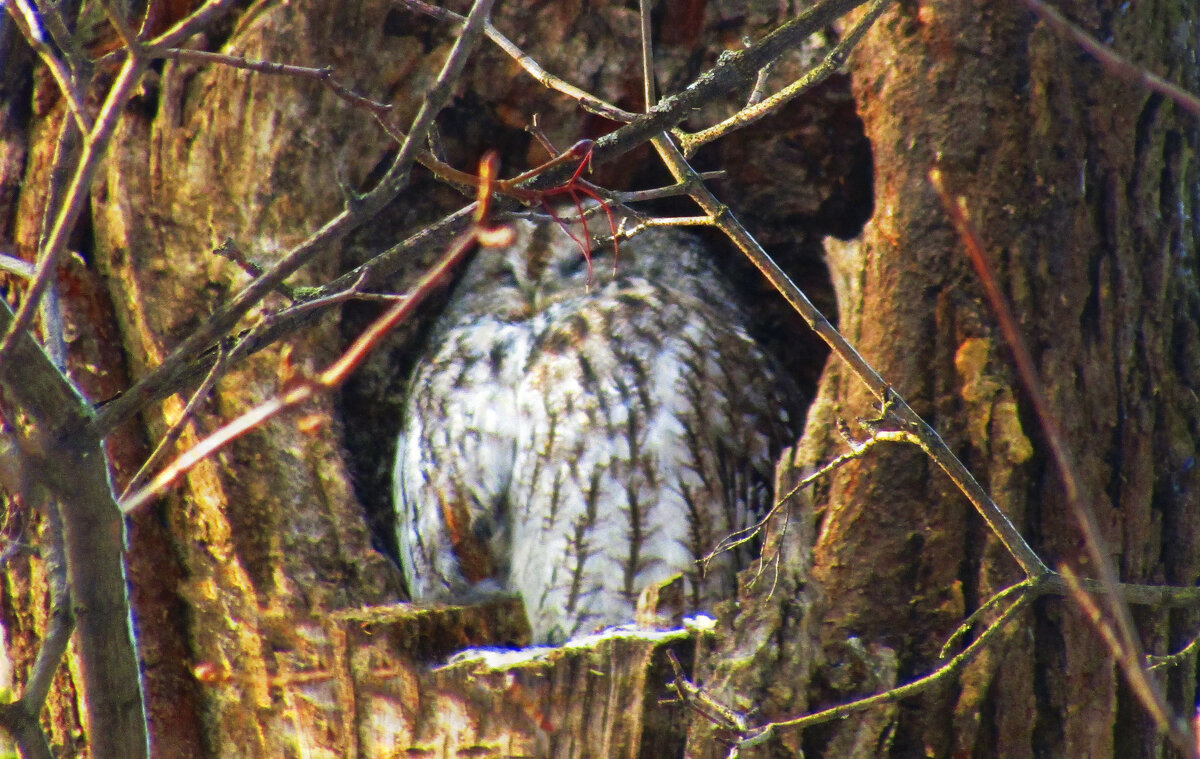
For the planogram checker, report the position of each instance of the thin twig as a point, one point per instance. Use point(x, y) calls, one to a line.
point(734, 69)
point(358, 211)
point(62, 620)
point(336, 373)
point(67, 42)
point(763, 733)
point(69, 463)
point(13, 265)
point(195, 23)
point(726, 75)
point(73, 201)
point(1079, 503)
point(1143, 687)
point(759, 90)
point(703, 704)
point(354, 292)
point(690, 143)
point(50, 310)
point(676, 190)
point(1113, 63)
point(174, 432)
point(858, 450)
point(305, 389)
point(27, 21)
point(1175, 659)
point(116, 17)
point(648, 95)
point(997, 598)
point(586, 100)
point(907, 419)
point(324, 75)
point(20, 717)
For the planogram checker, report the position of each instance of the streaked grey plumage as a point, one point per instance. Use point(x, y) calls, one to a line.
point(575, 444)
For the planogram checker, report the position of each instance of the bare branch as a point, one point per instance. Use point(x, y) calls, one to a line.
point(1175, 659)
point(961, 631)
point(116, 17)
point(195, 23)
point(690, 143)
point(324, 75)
point(951, 668)
point(907, 419)
point(1130, 659)
point(731, 71)
point(70, 463)
point(21, 717)
point(358, 211)
point(857, 450)
point(586, 100)
point(67, 42)
point(176, 430)
point(27, 21)
point(71, 205)
point(306, 389)
point(62, 620)
point(13, 265)
point(759, 90)
point(734, 69)
point(647, 55)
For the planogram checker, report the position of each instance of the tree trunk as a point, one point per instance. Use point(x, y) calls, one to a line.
point(1083, 192)
point(269, 619)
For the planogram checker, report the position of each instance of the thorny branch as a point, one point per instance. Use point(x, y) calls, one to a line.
point(324, 75)
point(907, 424)
point(97, 135)
point(91, 522)
point(948, 670)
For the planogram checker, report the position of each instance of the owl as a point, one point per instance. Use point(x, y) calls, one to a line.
point(574, 437)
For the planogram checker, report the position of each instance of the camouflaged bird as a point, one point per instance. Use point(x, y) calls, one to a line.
point(574, 441)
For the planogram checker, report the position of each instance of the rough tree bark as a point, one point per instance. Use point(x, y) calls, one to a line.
point(266, 610)
point(1084, 191)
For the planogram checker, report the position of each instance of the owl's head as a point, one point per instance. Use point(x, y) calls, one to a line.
point(546, 264)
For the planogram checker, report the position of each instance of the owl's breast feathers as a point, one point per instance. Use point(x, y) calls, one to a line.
point(606, 440)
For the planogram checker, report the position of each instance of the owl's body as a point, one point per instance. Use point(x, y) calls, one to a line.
point(575, 444)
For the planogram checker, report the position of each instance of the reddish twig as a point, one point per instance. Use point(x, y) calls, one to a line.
point(1129, 644)
point(1113, 63)
point(573, 188)
point(176, 430)
point(305, 388)
point(898, 410)
point(357, 211)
